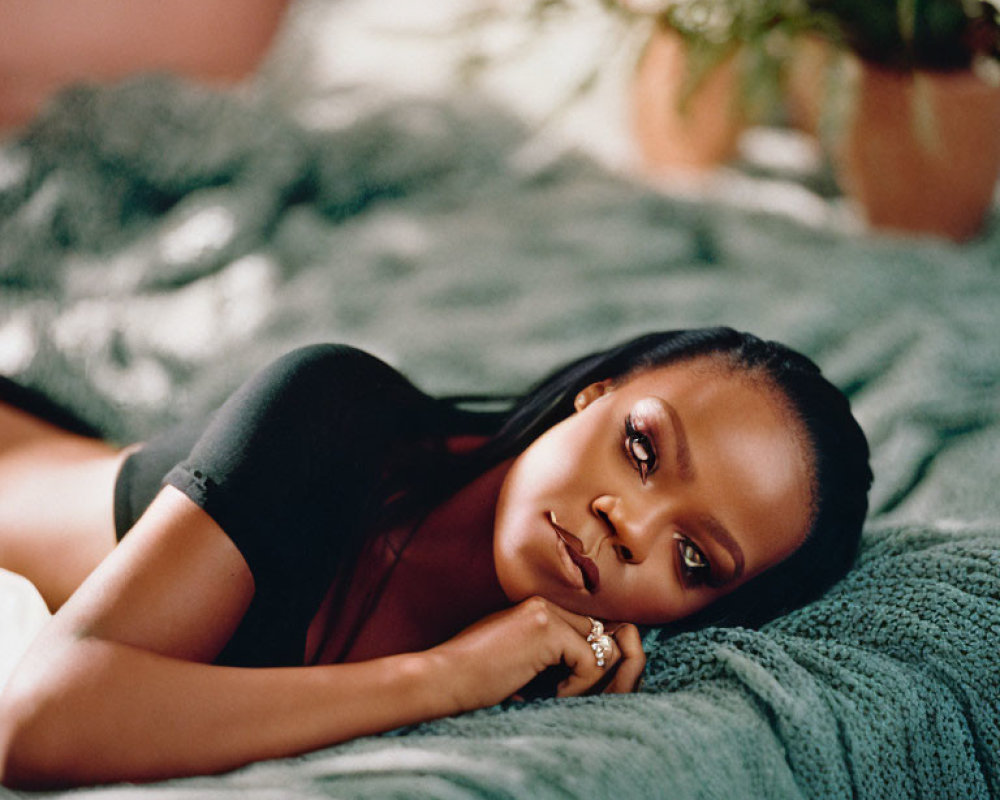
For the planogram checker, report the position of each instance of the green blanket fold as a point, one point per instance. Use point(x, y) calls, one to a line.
point(885, 687)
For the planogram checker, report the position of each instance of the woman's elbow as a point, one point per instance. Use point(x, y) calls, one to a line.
point(36, 751)
point(19, 767)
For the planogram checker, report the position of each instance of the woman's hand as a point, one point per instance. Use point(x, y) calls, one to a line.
point(501, 654)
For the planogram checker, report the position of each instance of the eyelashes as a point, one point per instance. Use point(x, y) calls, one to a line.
point(694, 565)
point(640, 450)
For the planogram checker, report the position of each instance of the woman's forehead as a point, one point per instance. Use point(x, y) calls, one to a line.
point(695, 369)
point(733, 401)
point(716, 373)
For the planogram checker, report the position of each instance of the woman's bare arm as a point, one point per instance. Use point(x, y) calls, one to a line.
point(119, 686)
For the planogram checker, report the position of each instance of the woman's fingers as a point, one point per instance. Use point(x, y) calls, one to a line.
point(623, 667)
point(612, 659)
point(632, 663)
point(598, 663)
point(511, 653)
point(581, 624)
point(586, 673)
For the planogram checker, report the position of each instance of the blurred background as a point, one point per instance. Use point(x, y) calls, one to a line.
point(897, 101)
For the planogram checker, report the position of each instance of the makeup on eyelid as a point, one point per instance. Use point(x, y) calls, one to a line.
point(655, 417)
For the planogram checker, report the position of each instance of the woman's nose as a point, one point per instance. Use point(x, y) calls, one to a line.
point(631, 535)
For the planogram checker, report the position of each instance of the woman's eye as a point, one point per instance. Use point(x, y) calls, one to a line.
point(694, 564)
point(640, 449)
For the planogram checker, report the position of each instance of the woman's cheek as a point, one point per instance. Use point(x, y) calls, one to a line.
point(547, 469)
point(571, 456)
point(645, 600)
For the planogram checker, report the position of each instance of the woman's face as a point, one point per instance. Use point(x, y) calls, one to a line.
point(658, 496)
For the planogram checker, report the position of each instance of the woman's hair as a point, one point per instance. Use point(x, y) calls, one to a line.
point(838, 452)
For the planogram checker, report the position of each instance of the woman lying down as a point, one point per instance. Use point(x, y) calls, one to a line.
point(334, 553)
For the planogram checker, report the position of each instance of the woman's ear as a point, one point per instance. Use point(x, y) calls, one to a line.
point(590, 393)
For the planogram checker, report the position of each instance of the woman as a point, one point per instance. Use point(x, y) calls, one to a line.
point(381, 557)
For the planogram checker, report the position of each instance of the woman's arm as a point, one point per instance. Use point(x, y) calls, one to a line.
point(119, 686)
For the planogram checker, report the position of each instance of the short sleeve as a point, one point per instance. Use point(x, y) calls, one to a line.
point(289, 467)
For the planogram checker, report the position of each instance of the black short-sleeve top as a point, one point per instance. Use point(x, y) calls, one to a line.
point(290, 467)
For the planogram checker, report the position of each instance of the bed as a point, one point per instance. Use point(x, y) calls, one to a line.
point(159, 240)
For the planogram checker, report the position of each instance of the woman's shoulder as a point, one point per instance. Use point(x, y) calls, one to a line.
point(335, 369)
point(331, 356)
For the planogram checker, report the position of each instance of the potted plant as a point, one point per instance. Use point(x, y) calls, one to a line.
point(47, 46)
point(709, 69)
point(705, 69)
point(919, 147)
point(908, 91)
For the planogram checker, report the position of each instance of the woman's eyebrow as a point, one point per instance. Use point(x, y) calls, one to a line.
point(722, 537)
point(682, 455)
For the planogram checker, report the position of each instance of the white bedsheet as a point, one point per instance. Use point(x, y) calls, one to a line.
point(22, 615)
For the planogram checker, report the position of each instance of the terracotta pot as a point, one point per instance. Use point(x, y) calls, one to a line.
point(806, 83)
point(922, 152)
point(49, 45)
point(671, 134)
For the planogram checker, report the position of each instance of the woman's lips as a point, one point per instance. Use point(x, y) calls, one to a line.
point(574, 549)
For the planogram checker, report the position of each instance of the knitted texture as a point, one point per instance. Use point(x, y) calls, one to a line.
point(885, 688)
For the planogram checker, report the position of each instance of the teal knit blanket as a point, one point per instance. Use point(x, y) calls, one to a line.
point(157, 242)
